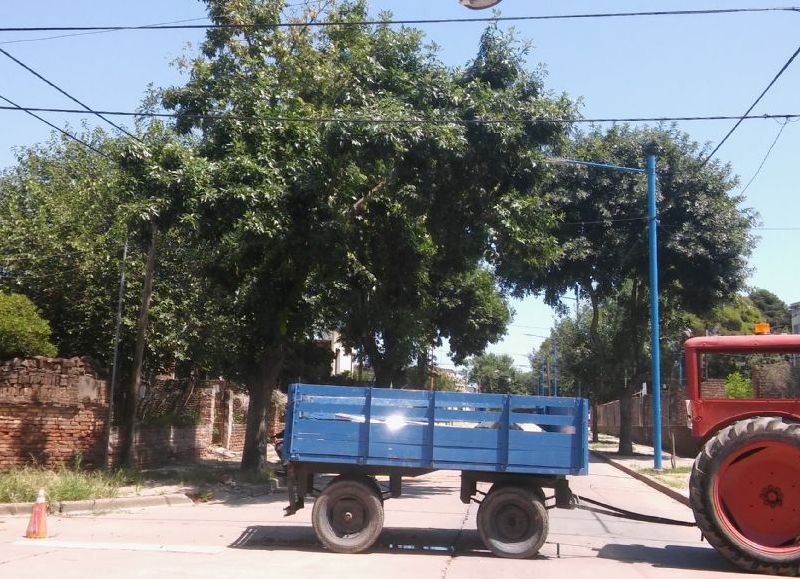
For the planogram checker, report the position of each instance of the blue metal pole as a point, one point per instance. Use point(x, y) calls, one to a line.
point(655, 331)
point(555, 368)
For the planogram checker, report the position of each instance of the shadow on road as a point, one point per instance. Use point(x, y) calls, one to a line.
point(467, 543)
point(446, 542)
point(670, 556)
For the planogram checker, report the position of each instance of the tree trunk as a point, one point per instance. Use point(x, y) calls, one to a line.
point(595, 424)
point(254, 455)
point(128, 426)
point(625, 407)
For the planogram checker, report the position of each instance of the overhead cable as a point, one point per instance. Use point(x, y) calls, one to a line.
point(49, 124)
point(747, 112)
point(764, 160)
point(409, 121)
point(420, 21)
point(66, 94)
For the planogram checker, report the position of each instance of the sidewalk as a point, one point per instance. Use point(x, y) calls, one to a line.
point(210, 480)
point(673, 482)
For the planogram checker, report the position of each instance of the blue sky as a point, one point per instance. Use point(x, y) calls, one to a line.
point(666, 66)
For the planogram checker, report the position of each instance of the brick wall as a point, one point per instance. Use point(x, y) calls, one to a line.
point(777, 380)
point(52, 411)
point(712, 388)
point(674, 422)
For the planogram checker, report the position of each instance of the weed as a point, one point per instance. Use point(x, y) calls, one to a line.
point(62, 484)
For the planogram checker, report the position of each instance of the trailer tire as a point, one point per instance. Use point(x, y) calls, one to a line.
point(513, 522)
point(348, 516)
point(745, 494)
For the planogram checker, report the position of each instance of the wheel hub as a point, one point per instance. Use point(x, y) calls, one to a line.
point(513, 523)
point(772, 496)
point(348, 516)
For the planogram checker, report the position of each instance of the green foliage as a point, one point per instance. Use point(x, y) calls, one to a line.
point(495, 373)
point(737, 386)
point(23, 332)
point(735, 317)
point(61, 239)
point(774, 310)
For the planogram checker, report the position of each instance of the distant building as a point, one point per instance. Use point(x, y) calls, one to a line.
point(795, 307)
point(342, 361)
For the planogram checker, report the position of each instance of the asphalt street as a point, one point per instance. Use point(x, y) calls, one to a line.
point(428, 533)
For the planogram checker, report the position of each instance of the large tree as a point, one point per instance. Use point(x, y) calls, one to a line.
point(453, 201)
point(361, 221)
point(496, 374)
point(704, 240)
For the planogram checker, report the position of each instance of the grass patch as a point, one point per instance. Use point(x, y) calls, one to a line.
point(20, 485)
point(679, 470)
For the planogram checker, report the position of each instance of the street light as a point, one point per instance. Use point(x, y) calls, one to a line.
point(479, 4)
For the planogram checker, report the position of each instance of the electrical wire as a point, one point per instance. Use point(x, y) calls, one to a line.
point(59, 129)
point(761, 96)
point(21, 40)
point(764, 160)
point(329, 23)
point(66, 94)
point(408, 121)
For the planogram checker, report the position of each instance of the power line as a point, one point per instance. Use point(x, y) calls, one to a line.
point(409, 121)
point(764, 92)
point(48, 123)
point(764, 160)
point(66, 94)
point(605, 221)
point(330, 23)
point(21, 40)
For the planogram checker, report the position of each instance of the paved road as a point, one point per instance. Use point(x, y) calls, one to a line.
point(428, 533)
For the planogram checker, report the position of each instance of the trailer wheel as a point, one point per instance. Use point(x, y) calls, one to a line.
point(512, 522)
point(745, 494)
point(348, 516)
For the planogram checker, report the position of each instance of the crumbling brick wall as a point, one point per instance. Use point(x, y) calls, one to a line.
point(674, 421)
point(52, 412)
point(776, 380)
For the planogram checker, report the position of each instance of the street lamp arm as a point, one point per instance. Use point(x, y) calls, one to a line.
point(479, 4)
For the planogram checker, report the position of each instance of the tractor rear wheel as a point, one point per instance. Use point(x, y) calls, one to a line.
point(745, 494)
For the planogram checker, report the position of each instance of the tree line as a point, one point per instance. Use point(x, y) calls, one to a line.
point(286, 200)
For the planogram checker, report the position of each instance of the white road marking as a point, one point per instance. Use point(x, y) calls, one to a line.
point(54, 544)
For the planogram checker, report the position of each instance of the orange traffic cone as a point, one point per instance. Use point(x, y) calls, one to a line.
point(37, 528)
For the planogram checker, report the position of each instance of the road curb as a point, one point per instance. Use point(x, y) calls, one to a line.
point(671, 493)
point(98, 505)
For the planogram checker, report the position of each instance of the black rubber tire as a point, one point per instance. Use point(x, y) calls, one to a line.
point(513, 522)
point(538, 491)
point(707, 467)
point(348, 515)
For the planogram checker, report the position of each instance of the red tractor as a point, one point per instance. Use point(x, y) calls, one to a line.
point(744, 394)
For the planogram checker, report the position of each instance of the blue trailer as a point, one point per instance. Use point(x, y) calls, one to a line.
point(522, 445)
